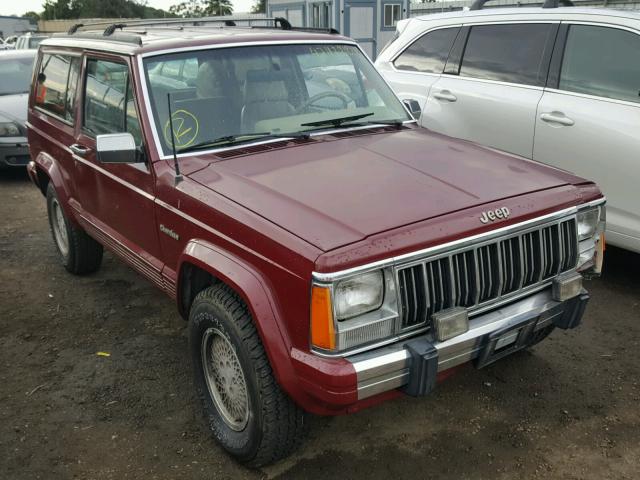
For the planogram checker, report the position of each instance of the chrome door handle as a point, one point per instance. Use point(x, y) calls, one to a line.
point(445, 95)
point(79, 150)
point(556, 117)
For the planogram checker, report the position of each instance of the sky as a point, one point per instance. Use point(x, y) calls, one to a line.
point(12, 7)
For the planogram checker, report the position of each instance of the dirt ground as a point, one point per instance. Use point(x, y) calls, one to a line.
point(567, 409)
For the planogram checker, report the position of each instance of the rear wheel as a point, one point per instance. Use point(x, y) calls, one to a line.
point(248, 413)
point(79, 253)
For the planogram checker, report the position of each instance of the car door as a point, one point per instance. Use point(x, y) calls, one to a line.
point(491, 96)
point(117, 200)
point(588, 121)
point(416, 68)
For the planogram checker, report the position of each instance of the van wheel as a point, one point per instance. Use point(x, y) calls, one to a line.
point(78, 252)
point(248, 413)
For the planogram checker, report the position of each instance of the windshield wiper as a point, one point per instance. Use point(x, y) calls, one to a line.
point(336, 122)
point(240, 138)
point(398, 122)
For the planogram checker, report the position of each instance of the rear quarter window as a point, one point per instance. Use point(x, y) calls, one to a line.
point(56, 85)
point(602, 61)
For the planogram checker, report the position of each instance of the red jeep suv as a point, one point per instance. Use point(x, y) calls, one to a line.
point(326, 251)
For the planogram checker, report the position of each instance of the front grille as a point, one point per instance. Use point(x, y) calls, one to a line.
point(478, 275)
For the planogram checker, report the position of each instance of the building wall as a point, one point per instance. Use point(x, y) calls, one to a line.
point(358, 21)
point(15, 26)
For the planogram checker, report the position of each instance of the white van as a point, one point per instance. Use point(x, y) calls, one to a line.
point(558, 85)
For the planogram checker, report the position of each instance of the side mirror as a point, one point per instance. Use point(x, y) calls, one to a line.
point(116, 148)
point(414, 107)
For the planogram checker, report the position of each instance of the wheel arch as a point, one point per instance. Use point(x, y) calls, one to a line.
point(202, 264)
point(48, 172)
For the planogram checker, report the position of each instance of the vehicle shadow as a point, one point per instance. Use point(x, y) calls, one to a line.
point(14, 175)
point(620, 266)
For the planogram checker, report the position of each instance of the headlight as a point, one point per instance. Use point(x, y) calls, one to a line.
point(9, 129)
point(591, 226)
point(354, 311)
point(358, 295)
point(588, 221)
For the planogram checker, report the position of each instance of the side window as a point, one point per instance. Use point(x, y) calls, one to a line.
point(109, 104)
point(132, 124)
point(72, 85)
point(507, 53)
point(428, 53)
point(602, 61)
point(391, 15)
point(56, 85)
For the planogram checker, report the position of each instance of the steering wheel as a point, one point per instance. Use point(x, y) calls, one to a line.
point(340, 96)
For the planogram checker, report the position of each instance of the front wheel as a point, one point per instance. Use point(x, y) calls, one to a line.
point(248, 413)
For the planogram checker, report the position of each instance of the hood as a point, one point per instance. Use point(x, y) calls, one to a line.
point(14, 107)
point(335, 192)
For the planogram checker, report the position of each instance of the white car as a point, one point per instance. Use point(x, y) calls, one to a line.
point(29, 41)
point(557, 85)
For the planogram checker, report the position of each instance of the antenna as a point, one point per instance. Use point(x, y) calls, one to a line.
point(178, 178)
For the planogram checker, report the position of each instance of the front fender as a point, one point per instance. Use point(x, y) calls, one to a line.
point(250, 285)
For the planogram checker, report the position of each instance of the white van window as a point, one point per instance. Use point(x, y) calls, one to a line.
point(507, 53)
point(429, 53)
point(602, 61)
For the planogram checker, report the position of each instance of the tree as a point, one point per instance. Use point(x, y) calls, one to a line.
point(64, 9)
point(56, 9)
point(259, 7)
point(33, 16)
point(218, 7)
point(190, 8)
point(200, 8)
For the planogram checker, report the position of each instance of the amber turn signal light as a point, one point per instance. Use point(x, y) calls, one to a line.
point(323, 333)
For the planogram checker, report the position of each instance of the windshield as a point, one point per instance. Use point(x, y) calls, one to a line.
point(16, 75)
point(242, 93)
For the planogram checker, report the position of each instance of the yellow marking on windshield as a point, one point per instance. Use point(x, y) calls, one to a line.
point(185, 128)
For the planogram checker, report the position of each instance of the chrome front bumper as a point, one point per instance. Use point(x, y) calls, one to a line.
point(389, 367)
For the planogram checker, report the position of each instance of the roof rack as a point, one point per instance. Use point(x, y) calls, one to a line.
point(284, 24)
point(278, 22)
point(478, 4)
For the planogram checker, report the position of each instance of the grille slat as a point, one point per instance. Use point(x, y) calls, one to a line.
point(482, 274)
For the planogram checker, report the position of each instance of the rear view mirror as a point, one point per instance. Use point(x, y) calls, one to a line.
point(116, 148)
point(414, 107)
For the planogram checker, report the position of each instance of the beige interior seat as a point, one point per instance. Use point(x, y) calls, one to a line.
point(265, 97)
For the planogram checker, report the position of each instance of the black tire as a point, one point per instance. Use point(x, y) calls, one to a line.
point(82, 254)
point(274, 426)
